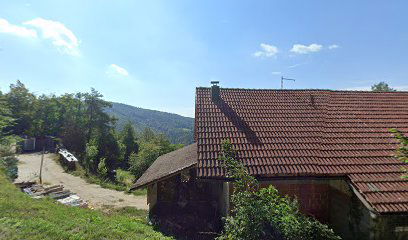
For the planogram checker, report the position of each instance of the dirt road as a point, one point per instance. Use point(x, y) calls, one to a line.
point(29, 168)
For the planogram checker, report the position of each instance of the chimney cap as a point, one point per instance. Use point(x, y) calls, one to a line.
point(214, 83)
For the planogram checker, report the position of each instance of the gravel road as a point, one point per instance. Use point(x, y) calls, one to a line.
point(98, 197)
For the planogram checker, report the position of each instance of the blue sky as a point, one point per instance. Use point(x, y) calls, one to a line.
point(153, 54)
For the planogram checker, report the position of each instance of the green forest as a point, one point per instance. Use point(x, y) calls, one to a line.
point(177, 128)
point(81, 124)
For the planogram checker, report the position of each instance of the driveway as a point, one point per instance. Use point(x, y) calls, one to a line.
point(96, 196)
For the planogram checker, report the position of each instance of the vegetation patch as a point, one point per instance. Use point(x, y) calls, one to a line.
point(80, 123)
point(263, 213)
point(402, 151)
point(107, 183)
point(22, 217)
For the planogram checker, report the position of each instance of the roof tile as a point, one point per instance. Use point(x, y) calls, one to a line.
point(308, 133)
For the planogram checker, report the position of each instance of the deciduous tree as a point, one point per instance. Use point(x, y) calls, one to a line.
point(21, 103)
point(382, 87)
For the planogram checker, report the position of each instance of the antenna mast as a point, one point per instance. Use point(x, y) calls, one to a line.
point(286, 79)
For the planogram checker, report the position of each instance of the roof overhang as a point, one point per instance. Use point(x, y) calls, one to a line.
point(168, 165)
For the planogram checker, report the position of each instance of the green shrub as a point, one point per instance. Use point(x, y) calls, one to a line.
point(125, 177)
point(8, 162)
point(91, 154)
point(148, 154)
point(102, 169)
point(263, 213)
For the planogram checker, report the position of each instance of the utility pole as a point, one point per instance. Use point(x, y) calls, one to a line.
point(41, 166)
point(285, 79)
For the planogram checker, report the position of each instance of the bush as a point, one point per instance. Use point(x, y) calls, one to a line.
point(263, 213)
point(124, 177)
point(102, 169)
point(8, 162)
point(147, 155)
point(149, 152)
point(91, 154)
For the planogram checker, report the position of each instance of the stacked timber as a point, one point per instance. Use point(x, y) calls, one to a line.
point(56, 192)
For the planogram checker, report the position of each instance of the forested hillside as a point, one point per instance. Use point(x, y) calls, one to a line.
point(177, 128)
point(80, 123)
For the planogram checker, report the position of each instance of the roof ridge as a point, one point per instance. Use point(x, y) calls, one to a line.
point(303, 89)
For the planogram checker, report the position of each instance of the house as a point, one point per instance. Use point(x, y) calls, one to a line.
point(332, 150)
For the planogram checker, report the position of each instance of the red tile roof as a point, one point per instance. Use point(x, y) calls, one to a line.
point(308, 133)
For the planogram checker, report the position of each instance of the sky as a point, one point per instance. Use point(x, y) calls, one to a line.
point(153, 54)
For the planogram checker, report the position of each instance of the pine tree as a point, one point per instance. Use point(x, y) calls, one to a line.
point(129, 140)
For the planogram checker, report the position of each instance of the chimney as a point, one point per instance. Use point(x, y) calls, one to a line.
point(215, 91)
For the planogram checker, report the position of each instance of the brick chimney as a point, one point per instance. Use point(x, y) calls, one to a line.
point(215, 91)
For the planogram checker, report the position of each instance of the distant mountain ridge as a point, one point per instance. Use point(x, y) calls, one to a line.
point(177, 128)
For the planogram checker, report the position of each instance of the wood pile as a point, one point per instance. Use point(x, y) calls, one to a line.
point(56, 192)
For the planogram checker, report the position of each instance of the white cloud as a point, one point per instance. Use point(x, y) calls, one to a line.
point(267, 51)
point(61, 37)
point(304, 49)
point(115, 71)
point(333, 46)
point(6, 27)
point(276, 73)
point(297, 65)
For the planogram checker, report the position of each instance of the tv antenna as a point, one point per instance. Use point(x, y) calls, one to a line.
point(286, 79)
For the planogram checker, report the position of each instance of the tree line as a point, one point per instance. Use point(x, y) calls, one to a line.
point(81, 125)
point(177, 128)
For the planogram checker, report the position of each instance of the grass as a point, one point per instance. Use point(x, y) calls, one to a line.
point(22, 217)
